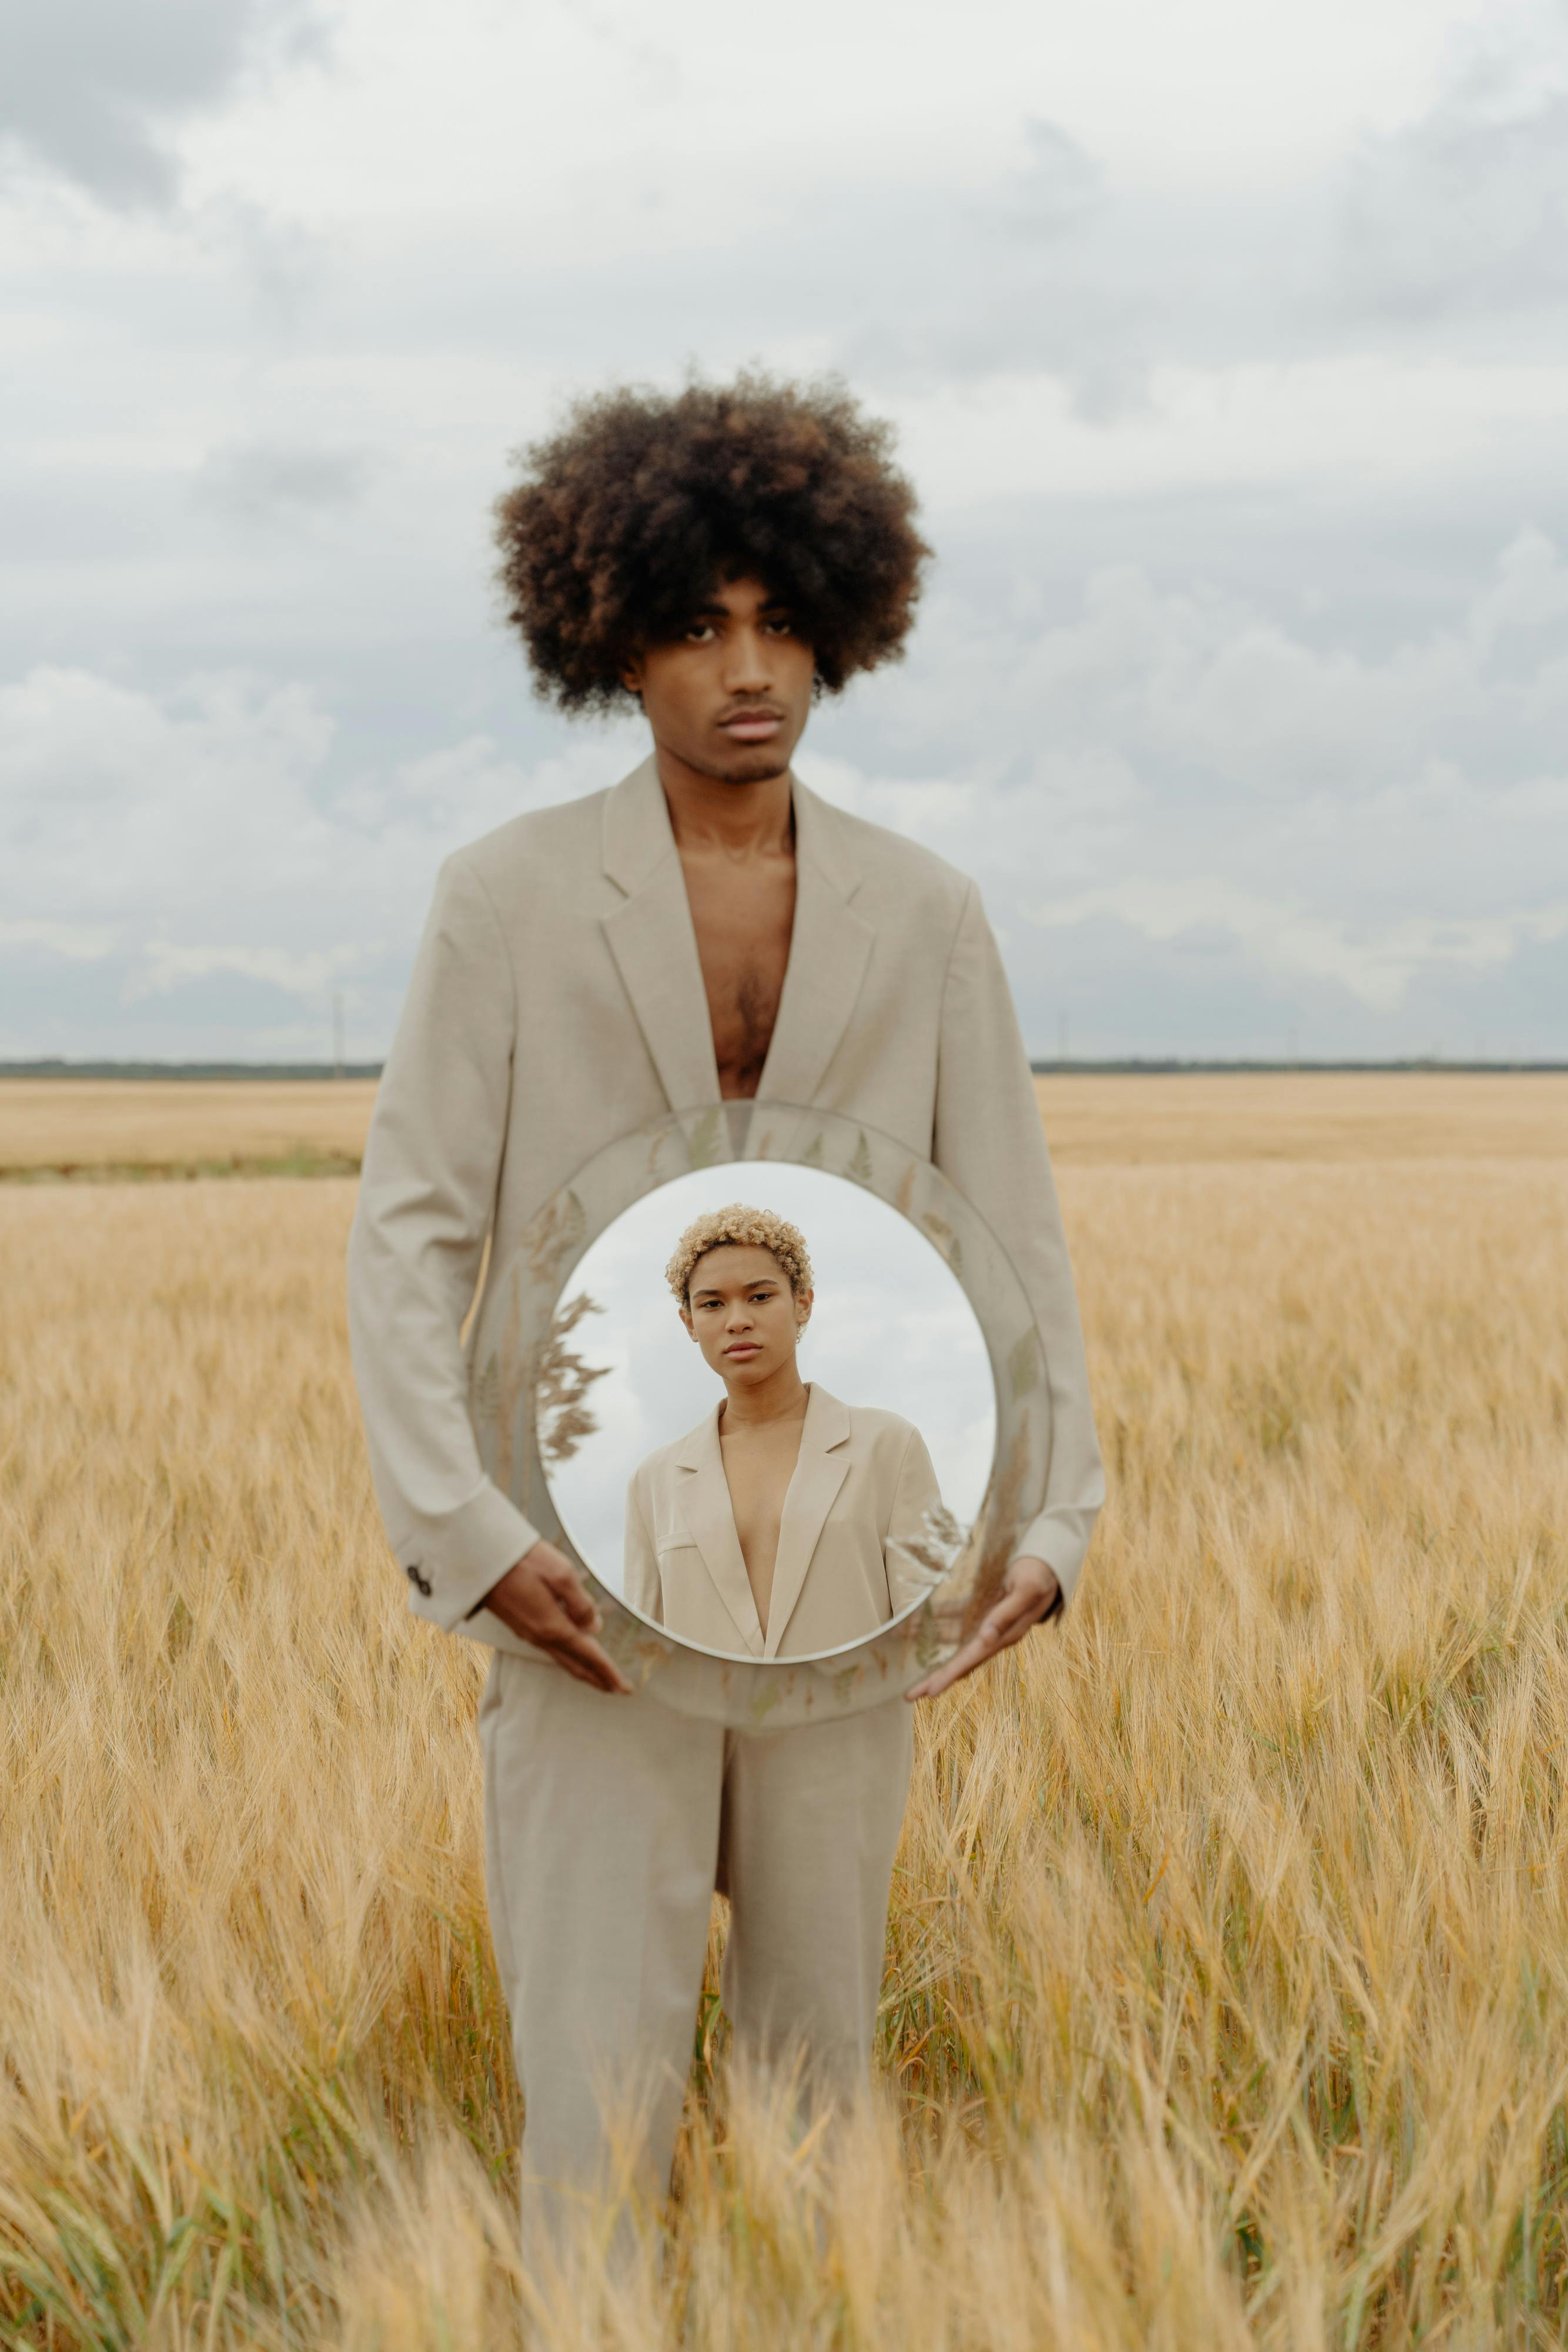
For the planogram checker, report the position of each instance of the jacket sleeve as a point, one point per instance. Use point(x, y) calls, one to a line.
point(990, 1142)
point(916, 1551)
point(640, 1581)
point(427, 1196)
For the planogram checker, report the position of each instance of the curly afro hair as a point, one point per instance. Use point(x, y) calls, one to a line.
point(625, 520)
point(759, 1228)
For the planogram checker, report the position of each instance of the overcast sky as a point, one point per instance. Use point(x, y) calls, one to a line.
point(1228, 346)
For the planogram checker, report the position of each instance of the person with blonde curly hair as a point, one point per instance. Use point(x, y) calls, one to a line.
point(765, 1228)
point(786, 1524)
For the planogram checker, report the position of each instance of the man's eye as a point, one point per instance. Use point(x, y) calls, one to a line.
point(699, 633)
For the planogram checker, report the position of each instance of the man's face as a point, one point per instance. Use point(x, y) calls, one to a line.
point(742, 1313)
point(730, 697)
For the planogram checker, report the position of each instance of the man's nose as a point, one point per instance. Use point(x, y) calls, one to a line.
point(748, 669)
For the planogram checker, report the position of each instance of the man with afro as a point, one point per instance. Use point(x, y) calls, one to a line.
point(706, 929)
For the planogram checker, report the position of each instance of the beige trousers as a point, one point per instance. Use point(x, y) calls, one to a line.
point(609, 1822)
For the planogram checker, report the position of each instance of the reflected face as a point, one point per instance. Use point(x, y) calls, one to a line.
point(730, 697)
point(742, 1313)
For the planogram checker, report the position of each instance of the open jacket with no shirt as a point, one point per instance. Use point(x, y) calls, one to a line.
point(557, 1003)
point(853, 1526)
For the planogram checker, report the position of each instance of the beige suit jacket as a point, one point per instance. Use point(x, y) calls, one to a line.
point(853, 1524)
point(556, 1003)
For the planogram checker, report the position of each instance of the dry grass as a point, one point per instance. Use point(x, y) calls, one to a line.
point(187, 1127)
point(75, 1125)
point(1227, 1988)
point(1305, 1115)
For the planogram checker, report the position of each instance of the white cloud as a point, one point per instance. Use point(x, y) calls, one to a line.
point(114, 800)
point(1141, 679)
point(91, 88)
point(76, 942)
point(1463, 209)
point(1182, 769)
point(165, 966)
point(606, 110)
point(259, 478)
point(1377, 968)
point(203, 838)
point(1223, 421)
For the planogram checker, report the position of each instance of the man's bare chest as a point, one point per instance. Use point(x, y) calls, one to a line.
point(743, 917)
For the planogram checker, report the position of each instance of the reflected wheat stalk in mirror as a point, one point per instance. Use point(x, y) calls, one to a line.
point(1226, 1999)
point(565, 1378)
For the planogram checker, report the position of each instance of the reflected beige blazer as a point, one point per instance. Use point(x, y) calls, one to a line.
point(556, 1003)
point(854, 1526)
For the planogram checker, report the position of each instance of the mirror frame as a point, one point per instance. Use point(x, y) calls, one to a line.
point(514, 1325)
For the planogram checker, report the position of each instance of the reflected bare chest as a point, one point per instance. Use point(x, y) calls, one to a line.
point(758, 1467)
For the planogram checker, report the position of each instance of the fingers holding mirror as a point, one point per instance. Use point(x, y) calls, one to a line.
point(1029, 1596)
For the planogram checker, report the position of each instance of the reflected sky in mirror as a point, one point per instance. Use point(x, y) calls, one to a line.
point(891, 1328)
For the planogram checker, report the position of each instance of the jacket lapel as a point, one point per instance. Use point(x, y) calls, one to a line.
point(706, 1506)
point(655, 949)
point(652, 939)
point(830, 948)
point(819, 1472)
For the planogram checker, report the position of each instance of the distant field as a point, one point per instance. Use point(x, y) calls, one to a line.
point(72, 1126)
point(156, 1125)
point(1226, 1990)
point(1300, 1114)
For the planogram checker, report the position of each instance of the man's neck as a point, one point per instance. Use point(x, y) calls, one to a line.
point(743, 820)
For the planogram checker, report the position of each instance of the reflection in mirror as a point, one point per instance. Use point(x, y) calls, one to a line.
point(769, 1431)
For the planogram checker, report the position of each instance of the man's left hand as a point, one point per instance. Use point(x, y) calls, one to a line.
point(1029, 1594)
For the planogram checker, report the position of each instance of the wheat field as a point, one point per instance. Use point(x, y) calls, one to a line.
point(118, 1127)
point(109, 1128)
point(1226, 1996)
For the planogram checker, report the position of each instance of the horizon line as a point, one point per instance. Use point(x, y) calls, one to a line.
point(1074, 1066)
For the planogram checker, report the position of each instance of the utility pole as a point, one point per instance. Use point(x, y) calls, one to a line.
point(337, 1032)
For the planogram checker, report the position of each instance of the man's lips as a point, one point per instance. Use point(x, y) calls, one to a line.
point(752, 726)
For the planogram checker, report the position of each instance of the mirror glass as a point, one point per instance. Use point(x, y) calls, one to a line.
point(744, 1532)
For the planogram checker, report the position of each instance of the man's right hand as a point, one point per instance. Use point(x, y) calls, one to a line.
point(541, 1599)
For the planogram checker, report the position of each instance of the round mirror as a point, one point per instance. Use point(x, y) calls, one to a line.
point(753, 1494)
point(764, 1563)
